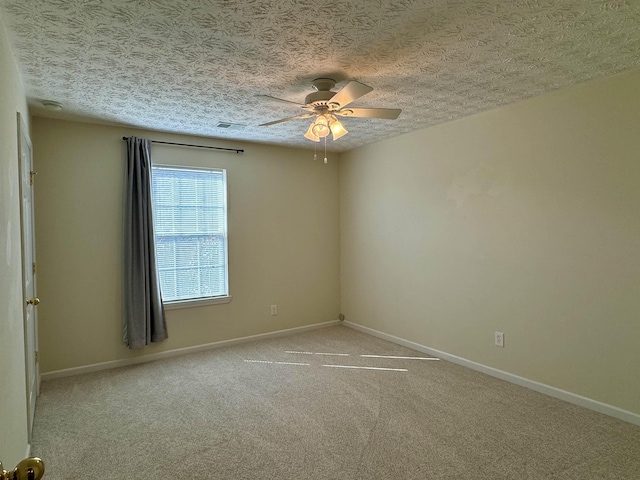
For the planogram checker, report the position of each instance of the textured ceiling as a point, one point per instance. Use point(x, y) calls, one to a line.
point(186, 65)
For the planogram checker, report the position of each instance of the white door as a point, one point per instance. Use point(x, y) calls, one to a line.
point(28, 269)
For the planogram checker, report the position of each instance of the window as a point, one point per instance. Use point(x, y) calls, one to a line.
point(190, 223)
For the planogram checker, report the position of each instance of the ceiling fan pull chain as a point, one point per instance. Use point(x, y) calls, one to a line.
point(315, 149)
point(325, 150)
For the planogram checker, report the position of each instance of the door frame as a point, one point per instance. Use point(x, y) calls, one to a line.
point(27, 236)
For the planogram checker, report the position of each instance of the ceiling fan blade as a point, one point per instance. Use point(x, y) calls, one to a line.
point(350, 92)
point(282, 100)
point(385, 113)
point(304, 115)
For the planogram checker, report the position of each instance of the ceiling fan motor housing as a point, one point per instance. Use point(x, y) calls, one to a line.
point(319, 99)
point(323, 93)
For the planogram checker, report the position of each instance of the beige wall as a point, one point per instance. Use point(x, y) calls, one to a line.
point(525, 220)
point(13, 409)
point(283, 242)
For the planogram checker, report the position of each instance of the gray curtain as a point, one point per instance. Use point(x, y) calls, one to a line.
point(144, 320)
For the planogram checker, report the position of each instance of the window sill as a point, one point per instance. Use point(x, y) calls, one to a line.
point(201, 302)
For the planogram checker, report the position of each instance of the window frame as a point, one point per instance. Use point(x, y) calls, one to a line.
point(201, 301)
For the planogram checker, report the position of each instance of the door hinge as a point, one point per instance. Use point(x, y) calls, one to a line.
point(37, 357)
point(33, 270)
point(31, 175)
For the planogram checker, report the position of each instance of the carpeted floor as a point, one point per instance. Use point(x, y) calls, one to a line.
point(273, 409)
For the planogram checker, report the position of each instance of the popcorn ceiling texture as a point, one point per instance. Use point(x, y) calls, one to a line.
point(183, 66)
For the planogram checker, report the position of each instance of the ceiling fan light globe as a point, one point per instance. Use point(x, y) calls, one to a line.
point(320, 126)
point(310, 136)
point(338, 130)
point(320, 130)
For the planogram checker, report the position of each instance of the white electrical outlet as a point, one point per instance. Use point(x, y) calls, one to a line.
point(274, 309)
point(499, 339)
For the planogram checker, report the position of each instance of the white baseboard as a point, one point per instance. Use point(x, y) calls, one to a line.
point(589, 403)
point(68, 372)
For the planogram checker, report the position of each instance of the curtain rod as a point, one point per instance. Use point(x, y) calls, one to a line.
point(237, 150)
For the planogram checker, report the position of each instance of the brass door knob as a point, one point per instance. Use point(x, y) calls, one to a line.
point(34, 301)
point(31, 468)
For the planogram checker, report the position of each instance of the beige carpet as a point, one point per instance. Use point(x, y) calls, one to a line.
point(273, 409)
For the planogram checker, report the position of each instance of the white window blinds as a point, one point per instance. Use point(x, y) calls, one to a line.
point(190, 222)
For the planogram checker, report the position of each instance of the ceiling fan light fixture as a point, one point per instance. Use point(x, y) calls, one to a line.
point(323, 125)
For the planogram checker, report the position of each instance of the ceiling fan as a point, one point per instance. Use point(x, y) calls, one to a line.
point(324, 105)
